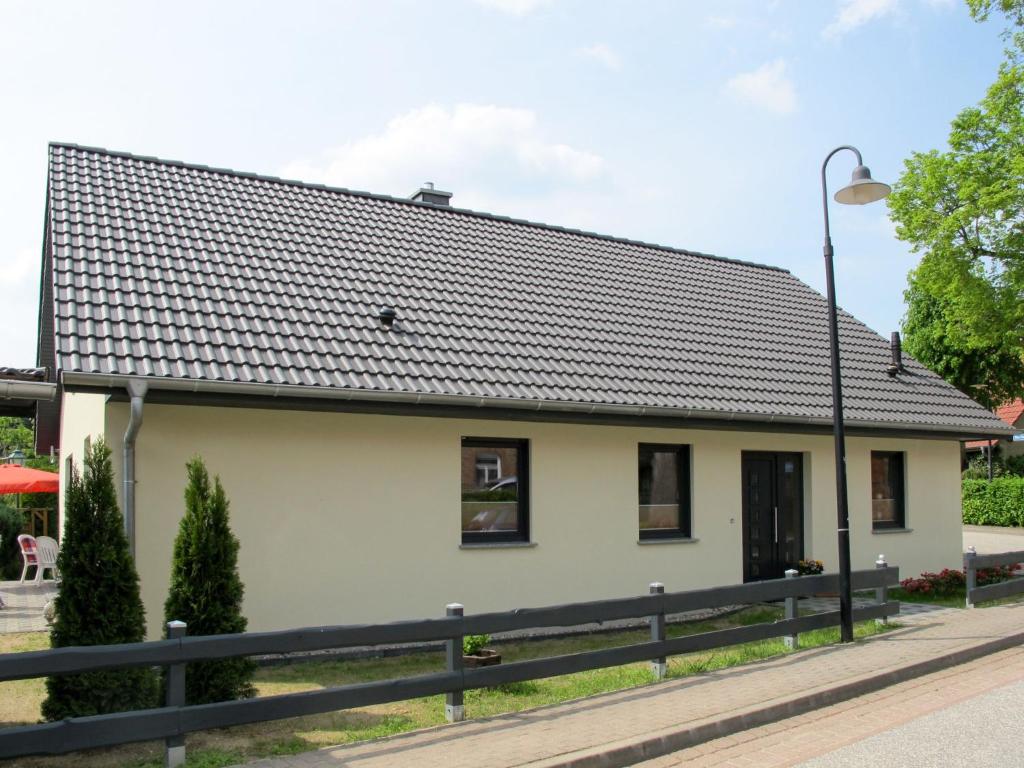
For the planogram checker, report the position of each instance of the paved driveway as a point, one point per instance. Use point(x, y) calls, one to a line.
point(989, 539)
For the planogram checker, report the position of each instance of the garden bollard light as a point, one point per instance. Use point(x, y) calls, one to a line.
point(882, 592)
point(454, 709)
point(659, 666)
point(174, 746)
point(970, 573)
point(792, 612)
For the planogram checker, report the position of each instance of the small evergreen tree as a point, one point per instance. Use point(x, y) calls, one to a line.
point(206, 591)
point(98, 602)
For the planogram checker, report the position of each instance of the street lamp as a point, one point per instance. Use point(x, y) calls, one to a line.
point(861, 190)
point(16, 457)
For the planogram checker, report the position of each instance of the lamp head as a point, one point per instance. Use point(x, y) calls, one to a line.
point(862, 189)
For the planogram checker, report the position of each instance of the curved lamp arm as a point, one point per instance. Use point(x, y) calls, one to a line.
point(824, 184)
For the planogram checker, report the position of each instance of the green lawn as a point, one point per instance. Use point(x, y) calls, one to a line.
point(19, 701)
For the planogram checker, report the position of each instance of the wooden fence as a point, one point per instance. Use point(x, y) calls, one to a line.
point(974, 562)
point(172, 721)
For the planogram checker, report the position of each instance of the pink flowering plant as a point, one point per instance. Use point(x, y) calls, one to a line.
point(949, 582)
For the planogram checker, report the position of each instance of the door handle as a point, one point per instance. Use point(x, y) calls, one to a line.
point(776, 511)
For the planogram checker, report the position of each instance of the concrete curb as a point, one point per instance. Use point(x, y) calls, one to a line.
point(651, 745)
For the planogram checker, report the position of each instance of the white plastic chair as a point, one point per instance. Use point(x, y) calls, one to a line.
point(29, 555)
point(46, 553)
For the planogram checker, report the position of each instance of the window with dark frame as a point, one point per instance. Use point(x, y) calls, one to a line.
point(664, 491)
point(495, 490)
point(888, 506)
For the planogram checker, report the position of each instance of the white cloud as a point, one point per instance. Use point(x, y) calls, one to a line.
point(467, 150)
point(515, 7)
point(857, 13)
point(767, 87)
point(602, 53)
point(22, 267)
point(721, 22)
point(19, 281)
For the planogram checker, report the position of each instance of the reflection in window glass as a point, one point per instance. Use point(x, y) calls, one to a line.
point(493, 490)
point(887, 505)
point(663, 472)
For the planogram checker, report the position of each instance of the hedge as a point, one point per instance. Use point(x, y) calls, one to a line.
point(999, 502)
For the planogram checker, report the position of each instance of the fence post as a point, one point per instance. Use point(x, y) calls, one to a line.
point(970, 573)
point(882, 592)
point(659, 666)
point(454, 709)
point(792, 612)
point(174, 746)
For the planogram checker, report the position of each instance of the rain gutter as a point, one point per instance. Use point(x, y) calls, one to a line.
point(472, 401)
point(27, 390)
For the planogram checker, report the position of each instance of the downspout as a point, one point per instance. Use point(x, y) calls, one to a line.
point(137, 392)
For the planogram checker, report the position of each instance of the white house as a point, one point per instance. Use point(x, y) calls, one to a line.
point(411, 404)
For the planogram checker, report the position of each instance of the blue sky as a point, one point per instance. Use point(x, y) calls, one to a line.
point(698, 125)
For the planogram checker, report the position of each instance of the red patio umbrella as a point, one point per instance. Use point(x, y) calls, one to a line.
point(15, 479)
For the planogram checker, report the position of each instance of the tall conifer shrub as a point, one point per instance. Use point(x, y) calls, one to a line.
point(206, 591)
point(98, 602)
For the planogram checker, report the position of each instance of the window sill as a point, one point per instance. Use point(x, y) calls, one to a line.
point(673, 540)
point(892, 530)
point(498, 545)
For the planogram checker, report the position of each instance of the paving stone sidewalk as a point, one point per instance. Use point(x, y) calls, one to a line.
point(23, 605)
point(625, 727)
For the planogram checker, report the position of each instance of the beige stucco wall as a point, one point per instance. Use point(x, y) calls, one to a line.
point(82, 418)
point(355, 518)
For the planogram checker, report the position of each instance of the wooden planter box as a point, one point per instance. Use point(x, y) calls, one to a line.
point(483, 658)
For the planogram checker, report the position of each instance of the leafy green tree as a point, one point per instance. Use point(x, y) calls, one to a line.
point(1012, 9)
point(963, 210)
point(206, 591)
point(98, 602)
point(990, 374)
point(15, 433)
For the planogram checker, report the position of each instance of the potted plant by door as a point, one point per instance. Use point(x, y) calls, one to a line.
point(810, 567)
point(474, 654)
point(813, 568)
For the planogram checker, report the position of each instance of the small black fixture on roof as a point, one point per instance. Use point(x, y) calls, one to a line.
point(387, 316)
point(427, 194)
point(896, 346)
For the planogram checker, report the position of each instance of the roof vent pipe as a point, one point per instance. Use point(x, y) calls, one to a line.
point(387, 316)
point(896, 346)
point(137, 393)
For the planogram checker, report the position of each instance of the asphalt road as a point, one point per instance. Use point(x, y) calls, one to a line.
point(985, 730)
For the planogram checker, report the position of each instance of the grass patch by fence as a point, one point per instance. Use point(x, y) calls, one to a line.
point(19, 700)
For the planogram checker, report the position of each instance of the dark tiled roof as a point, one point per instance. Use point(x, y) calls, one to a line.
point(174, 271)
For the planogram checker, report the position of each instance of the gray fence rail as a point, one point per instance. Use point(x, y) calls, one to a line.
point(174, 720)
point(974, 562)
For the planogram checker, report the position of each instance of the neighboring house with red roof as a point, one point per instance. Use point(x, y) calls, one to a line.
point(1012, 445)
point(411, 404)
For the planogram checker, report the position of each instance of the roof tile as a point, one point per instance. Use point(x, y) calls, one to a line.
point(165, 269)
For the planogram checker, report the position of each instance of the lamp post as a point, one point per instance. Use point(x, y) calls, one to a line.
point(16, 457)
point(861, 190)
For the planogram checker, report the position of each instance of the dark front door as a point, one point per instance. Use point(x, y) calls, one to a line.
point(773, 514)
